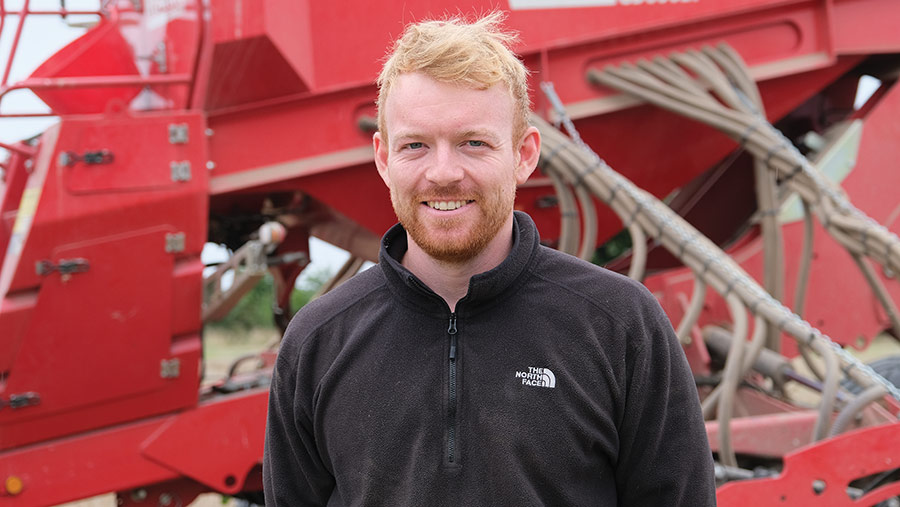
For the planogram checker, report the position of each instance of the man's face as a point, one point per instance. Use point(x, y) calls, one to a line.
point(451, 163)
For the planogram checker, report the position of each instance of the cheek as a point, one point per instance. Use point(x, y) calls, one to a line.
point(402, 183)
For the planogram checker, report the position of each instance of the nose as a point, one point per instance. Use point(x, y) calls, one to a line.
point(444, 168)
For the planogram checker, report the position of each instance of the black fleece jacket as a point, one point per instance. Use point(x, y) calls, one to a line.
point(555, 382)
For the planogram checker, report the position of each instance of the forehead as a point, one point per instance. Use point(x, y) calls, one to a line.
point(418, 103)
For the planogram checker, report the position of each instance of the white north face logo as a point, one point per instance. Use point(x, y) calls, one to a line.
point(539, 377)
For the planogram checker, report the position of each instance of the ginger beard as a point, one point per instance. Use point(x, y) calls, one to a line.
point(439, 237)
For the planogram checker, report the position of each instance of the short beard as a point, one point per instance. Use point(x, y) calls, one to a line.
point(494, 213)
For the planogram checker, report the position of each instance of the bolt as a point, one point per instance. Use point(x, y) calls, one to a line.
point(139, 495)
point(165, 499)
point(818, 486)
point(209, 132)
point(210, 165)
point(29, 164)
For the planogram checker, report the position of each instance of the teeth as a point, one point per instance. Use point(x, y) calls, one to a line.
point(446, 205)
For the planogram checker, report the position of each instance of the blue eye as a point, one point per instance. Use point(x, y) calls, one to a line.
point(476, 143)
point(415, 146)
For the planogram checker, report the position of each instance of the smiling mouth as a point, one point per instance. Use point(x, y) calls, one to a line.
point(446, 205)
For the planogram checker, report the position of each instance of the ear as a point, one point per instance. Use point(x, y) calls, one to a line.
point(528, 154)
point(381, 156)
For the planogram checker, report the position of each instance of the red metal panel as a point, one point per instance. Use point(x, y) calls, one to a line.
point(287, 123)
point(11, 188)
point(229, 446)
point(820, 474)
point(856, 30)
point(100, 346)
point(101, 51)
point(115, 459)
point(771, 435)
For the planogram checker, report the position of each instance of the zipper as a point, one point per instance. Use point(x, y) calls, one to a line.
point(451, 406)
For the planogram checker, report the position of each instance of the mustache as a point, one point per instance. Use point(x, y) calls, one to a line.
point(449, 192)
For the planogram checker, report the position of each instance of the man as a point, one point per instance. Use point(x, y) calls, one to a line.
point(474, 366)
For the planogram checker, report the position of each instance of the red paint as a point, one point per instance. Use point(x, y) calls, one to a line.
point(272, 95)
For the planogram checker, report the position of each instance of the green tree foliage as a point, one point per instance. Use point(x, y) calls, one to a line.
point(617, 246)
point(254, 310)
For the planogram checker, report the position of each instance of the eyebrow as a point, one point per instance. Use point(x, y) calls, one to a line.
point(478, 133)
point(466, 134)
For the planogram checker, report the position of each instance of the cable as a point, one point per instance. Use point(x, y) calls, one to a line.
point(854, 408)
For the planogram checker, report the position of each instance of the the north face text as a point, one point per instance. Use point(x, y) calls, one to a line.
point(538, 377)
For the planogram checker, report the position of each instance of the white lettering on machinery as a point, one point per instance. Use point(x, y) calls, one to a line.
point(538, 377)
point(522, 5)
point(154, 7)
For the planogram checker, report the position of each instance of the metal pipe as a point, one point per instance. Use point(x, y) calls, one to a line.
point(15, 42)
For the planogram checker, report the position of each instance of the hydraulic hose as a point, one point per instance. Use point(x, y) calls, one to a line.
point(725, 97)
point(579, 166)
point(854, 408)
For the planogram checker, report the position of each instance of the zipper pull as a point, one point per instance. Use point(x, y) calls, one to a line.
point(452, 332)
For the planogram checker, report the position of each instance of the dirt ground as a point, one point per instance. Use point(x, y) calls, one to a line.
point(207, 500)
point(220, 350)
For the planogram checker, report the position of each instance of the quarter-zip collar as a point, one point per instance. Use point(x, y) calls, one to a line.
point(485, 289)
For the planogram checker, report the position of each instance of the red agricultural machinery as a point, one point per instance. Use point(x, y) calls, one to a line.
point(740, 180)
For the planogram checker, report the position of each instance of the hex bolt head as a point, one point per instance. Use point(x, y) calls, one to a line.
point(818, 486)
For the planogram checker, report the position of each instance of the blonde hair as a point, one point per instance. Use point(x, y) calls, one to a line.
point(453, 51)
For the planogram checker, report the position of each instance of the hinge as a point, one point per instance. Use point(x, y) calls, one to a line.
point(170, 368)
point(174, 242)
point(181, 171)
point(178, 133)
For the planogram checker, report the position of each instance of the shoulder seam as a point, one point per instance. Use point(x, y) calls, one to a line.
point(354, 301)
point(589, 298)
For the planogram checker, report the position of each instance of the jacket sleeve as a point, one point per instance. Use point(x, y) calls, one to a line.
point(293, 471)
point(664, 454)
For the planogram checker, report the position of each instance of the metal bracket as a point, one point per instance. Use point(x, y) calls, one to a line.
point(178, 133)
point(63, 267)
point(174, 242)
point(170, 368)
point(181, 171)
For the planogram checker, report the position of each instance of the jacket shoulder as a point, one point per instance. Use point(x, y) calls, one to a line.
point(606, 290)
point(322, 310)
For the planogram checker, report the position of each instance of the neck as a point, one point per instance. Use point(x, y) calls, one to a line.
point(450, 280)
